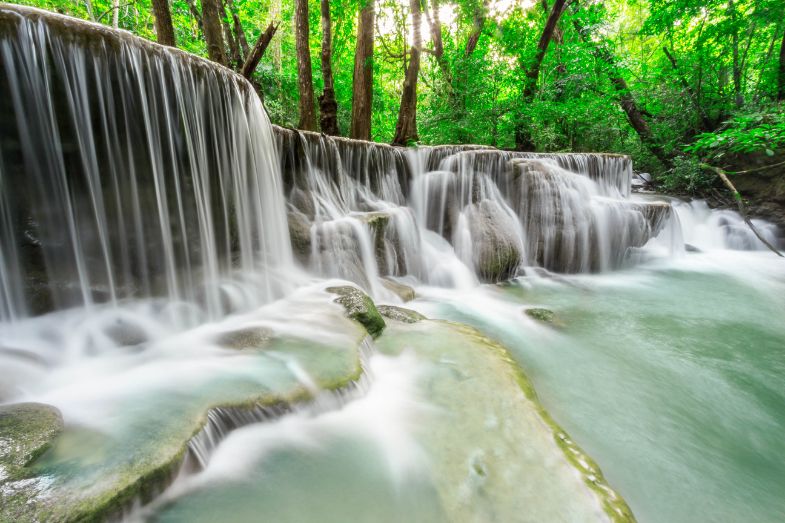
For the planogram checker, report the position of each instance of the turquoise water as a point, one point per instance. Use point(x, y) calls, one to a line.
point(671, 376)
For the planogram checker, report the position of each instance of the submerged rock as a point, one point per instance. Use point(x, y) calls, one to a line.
point(404, 292)
point(360, 308)
point(26, 432)
point(250, 338)
point(544, 315)
point(497, 250)
point(400, 314)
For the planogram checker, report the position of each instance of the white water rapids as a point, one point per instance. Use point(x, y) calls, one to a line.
point(164, 254)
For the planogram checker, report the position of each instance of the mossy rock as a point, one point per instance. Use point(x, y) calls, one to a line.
point(404, 292)
point(544, 315)
point(246, 339)
point(26, 432)
point(400, 314)
point(360, 308)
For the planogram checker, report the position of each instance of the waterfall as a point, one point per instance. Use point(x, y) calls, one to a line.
point(452, 215)
point(130, 170)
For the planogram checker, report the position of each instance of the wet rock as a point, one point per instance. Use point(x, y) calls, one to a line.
point(544, 315)
point(26, 432)
point(300, 234)
point(126, 334)
point(691, 248)
point(245, 339)
point(400, 314)
point(303, 201)
point(360, 308)
point(497, 250)
point(404, 292)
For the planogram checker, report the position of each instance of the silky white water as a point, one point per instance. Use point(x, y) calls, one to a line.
point(165, 269)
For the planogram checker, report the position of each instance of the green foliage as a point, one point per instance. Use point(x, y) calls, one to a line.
point(687, 177)
point(747, 133)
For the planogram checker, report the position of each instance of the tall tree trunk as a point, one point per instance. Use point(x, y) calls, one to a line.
point(781, 72)
point(213, 32)
point(738, 96)
point(406, 128)
point(234, 56)
point(164, 30)
point(362, 82)
point(115, 13)
point(328, 107)
point(478, 23)
point(522, 139)
point(304, 75)
point(256, 54)
point(238, 30)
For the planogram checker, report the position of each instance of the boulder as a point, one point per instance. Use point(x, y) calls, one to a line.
point(400, 314)
point(26, 432)
point(300, 234)
point(404, 292)
point(246, 339)
point(497, 251)
point(360, 308)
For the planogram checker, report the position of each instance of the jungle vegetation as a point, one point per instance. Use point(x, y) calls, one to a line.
point(671, 82)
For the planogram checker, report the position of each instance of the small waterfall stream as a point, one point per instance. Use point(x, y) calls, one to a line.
point(168, 263)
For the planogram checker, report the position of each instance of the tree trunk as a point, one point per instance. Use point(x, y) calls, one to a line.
point(328, 107)
point(234, 56)
point(213, 32)
point(781, 75)
point(362, 82)
point(238, 30)
point(164, 30)
point(195, 13)
point(115, 13)
point(738, 96)
point(477, 26)
point(523, 140)
point(256, 54)
point(406, 128)
point(304, 75)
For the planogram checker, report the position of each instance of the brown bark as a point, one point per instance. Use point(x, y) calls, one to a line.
point(781, 72)
point(164, 30)
point(213, 32)
point(477, 26)
point(362, 82)
point(406, 128)
point(522, 139)
point(234, 56)
point(328, 107)
point(238, 29)
point(435, 24)
point(304, 75)
point(255, 55)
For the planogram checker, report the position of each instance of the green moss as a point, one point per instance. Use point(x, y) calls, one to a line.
point(400, 314)
point(360, 308)
point(613, 504)
point(26, 432)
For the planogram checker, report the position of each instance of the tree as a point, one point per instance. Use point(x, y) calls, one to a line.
point(255, 55)
point(781, 72)
point(362, 80)
point(523, 139)
point(164, 30)
point(304, 75)
point(328, 107)
point(213, 31)
point(406, 128)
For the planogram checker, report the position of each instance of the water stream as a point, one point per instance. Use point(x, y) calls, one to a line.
point(166, 264)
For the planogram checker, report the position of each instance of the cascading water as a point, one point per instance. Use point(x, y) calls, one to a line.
point(130, 172)
point(147, 296)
